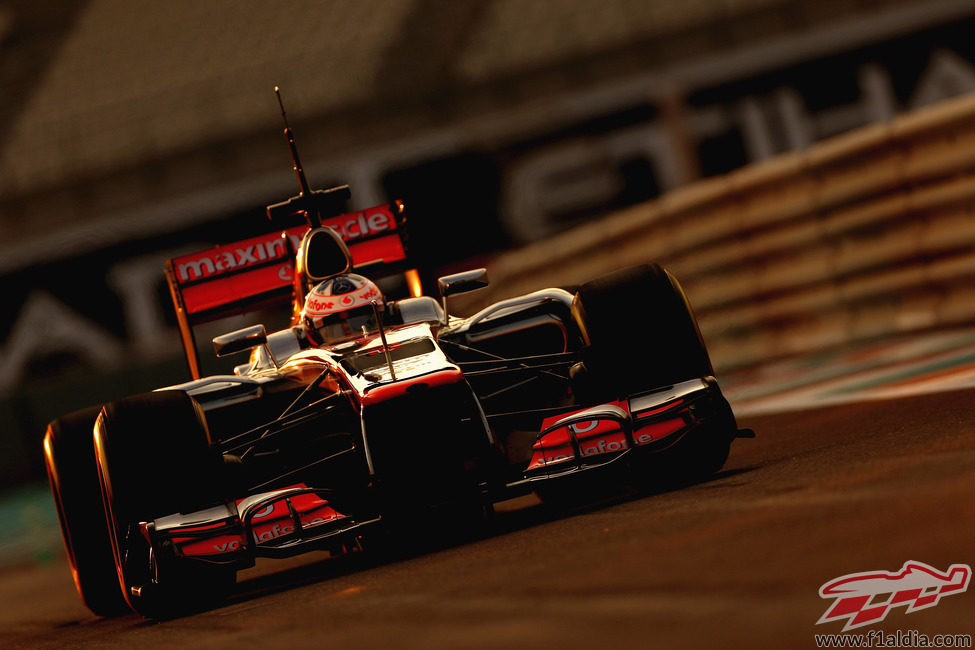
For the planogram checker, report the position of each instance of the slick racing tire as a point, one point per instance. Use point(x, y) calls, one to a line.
point(641, 332)
point(155, 459)
point(694, 458)
point(69, 456)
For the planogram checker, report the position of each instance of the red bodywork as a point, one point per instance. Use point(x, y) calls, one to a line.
point(279, 518)
point(259, 272)
point(606, 435)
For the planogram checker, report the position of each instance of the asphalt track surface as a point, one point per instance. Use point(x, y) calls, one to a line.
point(734, 562)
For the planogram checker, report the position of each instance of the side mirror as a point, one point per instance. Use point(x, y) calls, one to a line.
point(322, 255)
point(451, 285)
point(240, 340)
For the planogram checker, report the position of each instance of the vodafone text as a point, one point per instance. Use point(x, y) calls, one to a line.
point(272, 532)
point(600, 447)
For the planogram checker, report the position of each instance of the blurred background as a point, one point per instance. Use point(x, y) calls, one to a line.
point(518, 132)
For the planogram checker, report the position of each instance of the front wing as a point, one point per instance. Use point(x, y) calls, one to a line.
point(609, 434)
point(601, 438)
point(279, 523)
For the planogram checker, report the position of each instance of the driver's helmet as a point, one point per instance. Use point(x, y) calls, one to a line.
point(341, 308)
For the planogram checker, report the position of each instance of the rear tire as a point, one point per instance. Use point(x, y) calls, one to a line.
point(155, 459)
point(69, 455)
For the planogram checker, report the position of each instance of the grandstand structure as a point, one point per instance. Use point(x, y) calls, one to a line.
point(133, 131)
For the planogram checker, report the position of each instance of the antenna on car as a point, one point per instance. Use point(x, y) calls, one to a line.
point(314, 204)
point(289, 134)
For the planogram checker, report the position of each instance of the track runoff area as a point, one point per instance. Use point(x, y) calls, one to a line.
point(888, 369)
point(846, 522)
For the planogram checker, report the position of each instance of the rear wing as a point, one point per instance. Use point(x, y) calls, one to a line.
point(258, 272)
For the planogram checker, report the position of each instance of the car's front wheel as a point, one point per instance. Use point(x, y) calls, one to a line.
point(69, 456)
point(641, 331)
point(155, 459)
point(642, 335)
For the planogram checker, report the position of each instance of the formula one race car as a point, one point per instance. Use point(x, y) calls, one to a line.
point(371, 418)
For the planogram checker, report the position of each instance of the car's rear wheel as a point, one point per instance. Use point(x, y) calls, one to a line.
point(641, 331)
point(69, 456)
point(155, 459)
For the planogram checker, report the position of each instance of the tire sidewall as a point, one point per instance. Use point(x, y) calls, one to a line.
point(154, 458)
point(69, 457)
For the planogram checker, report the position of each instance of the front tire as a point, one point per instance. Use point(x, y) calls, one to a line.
point(641, 331)
point(696, 457)
point(69, 455)
point(155, 459)
point(642, 335)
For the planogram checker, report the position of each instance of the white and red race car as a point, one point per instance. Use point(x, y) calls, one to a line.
point(421, 421)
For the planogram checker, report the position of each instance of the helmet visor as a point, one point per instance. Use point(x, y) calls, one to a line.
point(347, 324)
